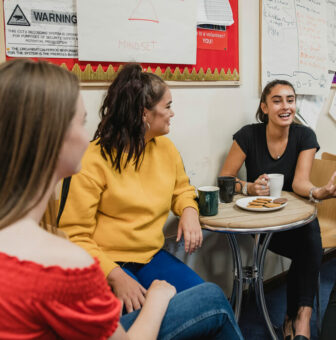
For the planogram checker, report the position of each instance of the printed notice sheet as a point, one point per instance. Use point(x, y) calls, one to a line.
point(41, 28)
point(153, 31)
point(214, 12)
point(332, 110)
point(309, 107)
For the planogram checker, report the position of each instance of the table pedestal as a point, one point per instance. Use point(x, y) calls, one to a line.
point(252, 275)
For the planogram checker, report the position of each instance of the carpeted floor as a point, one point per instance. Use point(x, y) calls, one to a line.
point(251, 322)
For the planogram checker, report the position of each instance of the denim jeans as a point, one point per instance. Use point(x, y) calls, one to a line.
point(200, 312)
point(329, 321)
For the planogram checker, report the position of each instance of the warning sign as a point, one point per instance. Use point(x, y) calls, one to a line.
point(18, 18)
point(41, 29)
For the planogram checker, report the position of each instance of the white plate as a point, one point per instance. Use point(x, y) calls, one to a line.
point(243, 203)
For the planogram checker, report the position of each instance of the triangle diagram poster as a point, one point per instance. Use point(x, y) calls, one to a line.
point(144, 11)
point(150, 31)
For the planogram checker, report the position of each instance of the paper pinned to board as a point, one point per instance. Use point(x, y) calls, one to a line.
point(332, 110)
point(214, 12)
point(309, 107)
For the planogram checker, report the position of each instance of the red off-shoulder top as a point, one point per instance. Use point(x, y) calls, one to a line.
point(38, 302)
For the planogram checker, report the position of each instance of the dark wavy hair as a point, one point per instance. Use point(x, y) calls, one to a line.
point(260, 115)
point(121, 130)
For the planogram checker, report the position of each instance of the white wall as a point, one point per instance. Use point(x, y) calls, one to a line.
point(205, 120)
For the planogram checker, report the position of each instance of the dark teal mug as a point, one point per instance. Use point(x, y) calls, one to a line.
point(208, 200)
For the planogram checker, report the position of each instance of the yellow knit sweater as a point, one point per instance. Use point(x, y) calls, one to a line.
point(120, 216)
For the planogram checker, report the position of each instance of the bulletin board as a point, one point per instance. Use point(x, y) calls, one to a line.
point(213, 66)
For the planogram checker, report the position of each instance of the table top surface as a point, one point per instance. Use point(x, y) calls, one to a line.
point(231, 218)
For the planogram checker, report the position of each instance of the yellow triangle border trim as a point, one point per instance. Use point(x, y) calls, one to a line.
point(109, 75)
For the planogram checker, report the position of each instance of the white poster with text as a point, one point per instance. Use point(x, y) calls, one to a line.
point(153, 31)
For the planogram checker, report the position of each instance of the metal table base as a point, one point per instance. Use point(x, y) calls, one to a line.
point(252, 275)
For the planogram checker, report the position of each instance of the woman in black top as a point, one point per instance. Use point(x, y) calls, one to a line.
point(277, 145)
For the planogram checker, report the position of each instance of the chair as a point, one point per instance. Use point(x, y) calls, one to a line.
point(326, 211)
point(328, 156)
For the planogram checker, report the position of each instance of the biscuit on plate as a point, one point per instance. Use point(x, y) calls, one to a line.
point(272, 205)
point(257, 203)
point(255, 206)
point(280, 200)
point(264, 199)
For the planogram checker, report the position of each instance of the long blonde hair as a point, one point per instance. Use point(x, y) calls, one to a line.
point(37, 104)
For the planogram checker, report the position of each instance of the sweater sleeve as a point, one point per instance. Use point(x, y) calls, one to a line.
point(184, 194)
point(78, 219)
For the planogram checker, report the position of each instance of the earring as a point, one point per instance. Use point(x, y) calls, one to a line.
point(148, 125)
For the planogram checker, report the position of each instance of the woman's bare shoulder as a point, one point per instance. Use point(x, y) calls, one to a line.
point(32, 243)
point(65, 253)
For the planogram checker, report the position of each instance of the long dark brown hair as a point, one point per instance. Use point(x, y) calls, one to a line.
point(121, 132)
point(260, 115)
point(37, 104)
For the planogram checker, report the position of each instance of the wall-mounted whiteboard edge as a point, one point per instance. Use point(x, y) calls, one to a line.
point(2, 34)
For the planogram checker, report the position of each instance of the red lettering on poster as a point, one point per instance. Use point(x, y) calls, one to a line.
point(211, 40)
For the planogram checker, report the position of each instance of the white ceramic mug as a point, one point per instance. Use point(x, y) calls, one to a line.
point(275, 183)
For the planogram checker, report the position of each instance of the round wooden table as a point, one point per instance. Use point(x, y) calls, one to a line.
point(233, 220)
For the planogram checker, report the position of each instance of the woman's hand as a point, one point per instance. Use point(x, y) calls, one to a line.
point(260, 186)
point(161, 290)
point(147, 323)
point(327, 191)
point(190, 227)
point(129, 291)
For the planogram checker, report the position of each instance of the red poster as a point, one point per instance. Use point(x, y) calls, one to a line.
point(211, 40)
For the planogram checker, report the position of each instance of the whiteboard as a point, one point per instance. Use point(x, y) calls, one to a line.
point(294, 44)
point(331, 21)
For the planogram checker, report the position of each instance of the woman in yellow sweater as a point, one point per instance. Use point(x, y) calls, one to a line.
point(131, 178)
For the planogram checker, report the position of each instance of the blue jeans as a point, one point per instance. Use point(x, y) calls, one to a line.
point(329, 321)
point(163, 266)
point(201, 312)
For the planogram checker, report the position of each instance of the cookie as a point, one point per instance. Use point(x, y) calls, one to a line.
point(263, 199)
point(272, 205)
point(257, 203)
point(280, 200)
point(255, 206)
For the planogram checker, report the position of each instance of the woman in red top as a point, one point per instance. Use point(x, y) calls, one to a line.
point(49, 287)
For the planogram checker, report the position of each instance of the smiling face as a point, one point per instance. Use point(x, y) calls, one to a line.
point(159, 117)
point(280, 105)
